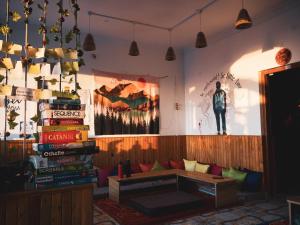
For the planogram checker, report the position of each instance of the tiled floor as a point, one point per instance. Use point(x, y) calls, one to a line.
point(253, 213)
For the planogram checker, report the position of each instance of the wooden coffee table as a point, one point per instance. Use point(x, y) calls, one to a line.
point(223, 189)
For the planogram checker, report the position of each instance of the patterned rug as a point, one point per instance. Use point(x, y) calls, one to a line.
point(254, 213)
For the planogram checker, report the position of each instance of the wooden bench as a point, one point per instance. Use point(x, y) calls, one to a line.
point(223, 189)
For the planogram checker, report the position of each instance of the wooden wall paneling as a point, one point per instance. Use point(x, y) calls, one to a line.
point(86, 207)
point(45, 208)
point(226, 151)
point(22, 206)
point(2, 211)
point(11, 216)
point(56, 206)
point(66, 212)
point(76, 207)
point(34, 209)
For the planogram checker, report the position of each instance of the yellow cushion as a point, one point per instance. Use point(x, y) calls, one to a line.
point(189, 165)
point(202, 168)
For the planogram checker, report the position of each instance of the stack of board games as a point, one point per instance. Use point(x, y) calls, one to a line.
point(63, 152)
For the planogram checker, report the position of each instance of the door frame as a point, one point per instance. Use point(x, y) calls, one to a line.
point(268, 154)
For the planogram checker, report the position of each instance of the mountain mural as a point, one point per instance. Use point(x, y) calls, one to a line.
point(126, 108)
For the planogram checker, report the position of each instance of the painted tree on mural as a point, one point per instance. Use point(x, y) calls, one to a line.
point(126, 106)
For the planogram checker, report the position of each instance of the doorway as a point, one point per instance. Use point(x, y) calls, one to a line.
point(281, 130)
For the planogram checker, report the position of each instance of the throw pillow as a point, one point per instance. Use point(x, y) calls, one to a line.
point(146, 167)
point(189, 165)
point(102, 176)
point(202, 168)
point(215, 170)
point(157, 166)
point(166, 164)
point(135, 168)
point(253, 181)
point(177, 164)
point(239, 176)
point(225, 172)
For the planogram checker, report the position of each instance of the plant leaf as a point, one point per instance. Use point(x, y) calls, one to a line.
point(4, 29)
point(1, 78)
point(78, 86)
point(71, 80)
point(35, 118)
point(12, 124)
point(38, 78)
point(13, 114)
point(53, 81)
point(16, 16)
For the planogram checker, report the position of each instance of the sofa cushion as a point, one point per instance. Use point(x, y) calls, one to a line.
point(202, 168)
point(102, 176)
point(135, 168)
point(215, 170)
point(253, 181)
point(179, 164)
point(146, 167)
point(189, 165)
point(235, 174)
point(157, 166)
point(165, 164)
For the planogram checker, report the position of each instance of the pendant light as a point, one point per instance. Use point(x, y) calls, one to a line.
point(89, 43)
point(170, 55)
point(243, 20)
point(201, 39)
point(134, 49)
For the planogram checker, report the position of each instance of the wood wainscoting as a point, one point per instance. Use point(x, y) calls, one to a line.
point(139, 149)
point(226, 151)
point(230, 150)
point(113, 149)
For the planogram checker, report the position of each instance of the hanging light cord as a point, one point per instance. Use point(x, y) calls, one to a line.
point(200, 19)
point(242, 4)
point(170, 37)
point(89, 23)
point(133, 31)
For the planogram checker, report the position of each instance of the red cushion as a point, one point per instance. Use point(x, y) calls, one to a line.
point(102, 176)
point(165, 164)
point(177, 164)
point(146, 167)
point(135, 168)
point(215, 170)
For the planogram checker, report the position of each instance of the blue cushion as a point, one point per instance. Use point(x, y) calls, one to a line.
point(253, 181)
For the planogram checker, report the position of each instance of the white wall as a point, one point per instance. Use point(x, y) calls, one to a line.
point(242, 54)
point(112, 56)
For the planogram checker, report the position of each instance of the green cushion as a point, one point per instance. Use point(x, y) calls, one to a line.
point(157, 166)
point(225, 172)
point(237, 175)
point(189, 165)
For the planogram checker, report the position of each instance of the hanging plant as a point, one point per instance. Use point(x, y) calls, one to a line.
point(15, 16)
point(1, 78)
point(69, 36)
point(5, 29)
point(35, 118)
point(43, 28)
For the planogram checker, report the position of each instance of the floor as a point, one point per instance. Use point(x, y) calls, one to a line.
point(252, 213)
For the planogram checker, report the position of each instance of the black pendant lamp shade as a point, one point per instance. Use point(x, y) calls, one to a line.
point(89, 43)
point(201, 40)
point(170, 55)
point(243, 20)
point(134, 49)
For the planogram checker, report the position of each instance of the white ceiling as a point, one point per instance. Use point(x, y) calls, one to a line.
point(217, 18)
